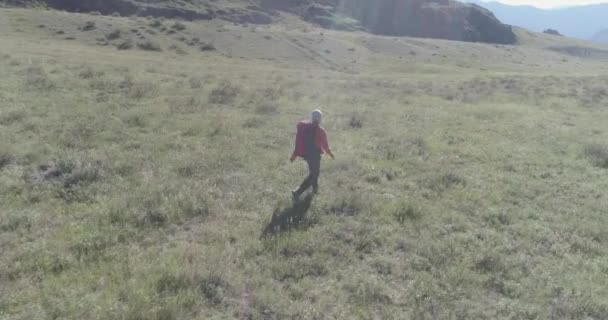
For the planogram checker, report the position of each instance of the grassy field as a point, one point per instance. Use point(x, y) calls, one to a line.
point(152, 182)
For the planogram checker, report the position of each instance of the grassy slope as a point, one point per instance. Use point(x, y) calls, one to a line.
point(473, 190)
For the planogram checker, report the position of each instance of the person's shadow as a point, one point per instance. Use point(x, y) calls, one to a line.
point(288, 218)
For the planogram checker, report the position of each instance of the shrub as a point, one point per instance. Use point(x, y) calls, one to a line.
point(406, 211)
point(347, 207)
point(5, 159)
point(225, 93)
point(114, 35)
point(12, 116)
point(178, 26)
point(149, 46)
point(87, 73)
point(598, 154)
point(177, 49)
point(125, 45)
point(213, 289)
point(88, 26)
point(195, 83)
point(172, 283)
point(156, 23)
point(207, 47)
point(115, 14)
point(82, 177)
point(355, 122)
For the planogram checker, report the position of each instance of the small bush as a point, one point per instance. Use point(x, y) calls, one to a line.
point(225, 93)
point(115, 14)
point(82, 177)
point(195, 83)
point(5, 159)
point(153, 216)
point(88, 26)
point(12, 117)
point(149, 46)
point(178, 26)
point(114, 35)
point(207, 47)
point(598, 154)
point(87, 73)
point(156, 23)
point(125, 45)
point(406, 211)
point(172, 284)
point(12, 223)
point(347, 207)
point(178, 49)
point(355, 122)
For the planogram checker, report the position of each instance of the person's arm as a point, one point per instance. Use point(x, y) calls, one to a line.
point(294, 154)
point(325, 145)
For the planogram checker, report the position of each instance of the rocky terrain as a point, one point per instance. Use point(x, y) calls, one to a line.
point(442, 19)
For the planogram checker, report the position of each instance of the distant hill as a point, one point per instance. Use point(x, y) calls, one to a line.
point(601, 36)
point(580, 21)
point(442, 19)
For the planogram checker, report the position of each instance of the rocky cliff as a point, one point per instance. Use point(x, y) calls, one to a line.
point(443, 19)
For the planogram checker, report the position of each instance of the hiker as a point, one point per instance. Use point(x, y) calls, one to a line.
point(311, 143)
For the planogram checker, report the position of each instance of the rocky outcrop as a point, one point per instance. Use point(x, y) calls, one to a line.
point(444, 19)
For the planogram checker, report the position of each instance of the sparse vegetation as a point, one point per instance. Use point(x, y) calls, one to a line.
point(114, 35)
point(88, 26)
point(178, 26)
point(149, 45)
point(207, 47)
point(598, 154)
point(225, 93)
point(125, 44)
point(140, 185)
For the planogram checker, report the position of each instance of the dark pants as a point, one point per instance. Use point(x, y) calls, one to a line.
point(314, 168)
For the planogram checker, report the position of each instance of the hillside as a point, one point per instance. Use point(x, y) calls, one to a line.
point(145, 174)
point(445, 19)
point(579, 21)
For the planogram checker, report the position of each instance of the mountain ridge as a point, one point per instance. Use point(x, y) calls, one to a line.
point(580, 21)
point(441, 19)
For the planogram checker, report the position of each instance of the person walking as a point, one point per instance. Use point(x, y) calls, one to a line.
point(311, 143)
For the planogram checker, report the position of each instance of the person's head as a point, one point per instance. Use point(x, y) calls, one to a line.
point(316, 117)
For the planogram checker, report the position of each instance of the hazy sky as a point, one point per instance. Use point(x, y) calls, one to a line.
point(551, 3)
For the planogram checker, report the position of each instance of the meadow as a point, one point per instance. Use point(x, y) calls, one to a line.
point(153, 181)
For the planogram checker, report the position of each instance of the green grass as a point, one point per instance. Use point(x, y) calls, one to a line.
point(145, 185)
